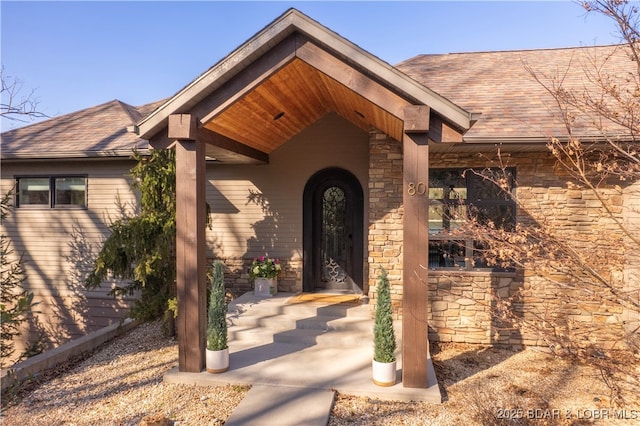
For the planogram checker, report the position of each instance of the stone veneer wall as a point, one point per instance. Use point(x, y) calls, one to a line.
point(463, 307)
point(385, 215)
point(631, 206)
point(238, 281)
point(462, 304)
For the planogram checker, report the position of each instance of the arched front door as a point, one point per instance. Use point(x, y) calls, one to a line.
point(332, 241)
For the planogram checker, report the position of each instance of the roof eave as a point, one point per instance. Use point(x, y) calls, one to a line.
point(109, 154)
point(505, 140)
point(542, 140)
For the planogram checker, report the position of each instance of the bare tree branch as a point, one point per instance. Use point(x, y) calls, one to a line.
point(14, 106)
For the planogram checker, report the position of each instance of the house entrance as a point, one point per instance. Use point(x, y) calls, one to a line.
point(333, 222)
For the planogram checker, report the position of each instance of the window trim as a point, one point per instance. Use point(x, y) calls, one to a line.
point(52, 193)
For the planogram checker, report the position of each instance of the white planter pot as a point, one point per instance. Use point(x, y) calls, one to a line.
point(384, 373)
point(217, 361)
point(265, 287)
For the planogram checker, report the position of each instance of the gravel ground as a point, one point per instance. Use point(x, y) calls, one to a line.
point(121, 384)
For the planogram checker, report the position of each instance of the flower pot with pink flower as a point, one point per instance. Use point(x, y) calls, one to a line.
point(265, 270)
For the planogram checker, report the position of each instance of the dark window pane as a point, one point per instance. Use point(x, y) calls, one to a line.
point(491, 185)
point(446, 254)
point(447, 185)
point(33, 191)
point(501, 215)
point(70, 191)
point(485, 259)
point(457, 194)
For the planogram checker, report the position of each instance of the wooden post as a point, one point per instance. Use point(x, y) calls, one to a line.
point(416, 247)
point(190, 244)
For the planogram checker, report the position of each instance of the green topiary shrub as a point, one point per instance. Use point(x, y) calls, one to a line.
point(217, 314)
point(384, 339)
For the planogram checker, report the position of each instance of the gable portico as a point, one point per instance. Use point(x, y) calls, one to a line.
point(257, 99)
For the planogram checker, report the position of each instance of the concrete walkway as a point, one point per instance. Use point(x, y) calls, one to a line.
point(294, 383)
point(283, 406)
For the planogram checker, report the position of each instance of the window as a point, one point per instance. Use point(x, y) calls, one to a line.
point(52, 191)
point(454, 196)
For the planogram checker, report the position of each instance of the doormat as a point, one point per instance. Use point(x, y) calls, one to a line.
point(325, 299)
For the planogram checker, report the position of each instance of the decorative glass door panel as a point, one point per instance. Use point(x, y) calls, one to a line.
point(336, 239)
point(333, 204)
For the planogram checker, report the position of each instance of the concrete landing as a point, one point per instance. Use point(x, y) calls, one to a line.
point(262, 357)
point(346, 370)
point(296, 356)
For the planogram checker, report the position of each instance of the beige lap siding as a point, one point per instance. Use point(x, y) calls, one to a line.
point(257, 210)
point(58, 244)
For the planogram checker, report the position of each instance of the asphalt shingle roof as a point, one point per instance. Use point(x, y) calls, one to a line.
point(97, 131)
point(500, 86)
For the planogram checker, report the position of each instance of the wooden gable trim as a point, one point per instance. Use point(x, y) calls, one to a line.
point(217, 75)
point(348, 76)
point(385, 72)
point(246, 80)
point(290, 22)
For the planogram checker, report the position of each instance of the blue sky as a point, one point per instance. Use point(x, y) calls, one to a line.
point(80, 54)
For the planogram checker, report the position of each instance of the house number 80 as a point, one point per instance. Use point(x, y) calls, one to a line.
point(419, 188)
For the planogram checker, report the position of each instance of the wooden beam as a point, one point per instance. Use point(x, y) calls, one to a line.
point(416, 119)
point(190, 251)
point(182, 127)
point(348, 76)
point(440, 131)
point(230, 151)
point(415, 257)
point(215, 139)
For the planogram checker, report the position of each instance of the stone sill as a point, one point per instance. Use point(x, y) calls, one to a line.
point(471, 273)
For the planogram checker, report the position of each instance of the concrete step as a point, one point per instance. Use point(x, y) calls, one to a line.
point(275, 320)
point(250, 334)
point(303, 310)
point(344, 332)
point(277, 305)
point(329, 338)
point(289, 321)
point(303, 337)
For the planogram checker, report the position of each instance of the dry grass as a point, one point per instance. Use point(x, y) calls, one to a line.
point(121, 384)
point(487, 386)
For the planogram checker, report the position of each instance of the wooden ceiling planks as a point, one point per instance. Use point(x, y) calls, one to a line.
point(292, 99)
